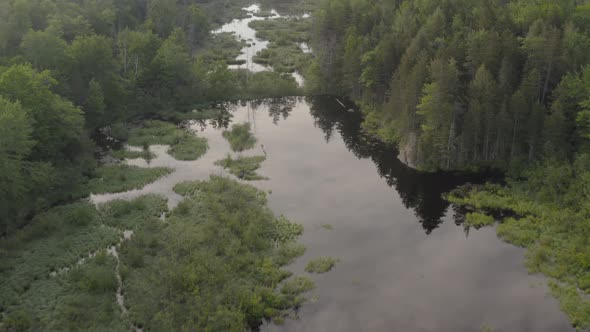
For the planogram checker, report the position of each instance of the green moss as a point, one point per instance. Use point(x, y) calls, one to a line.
point(119, 178)
point(478, 220)
point(190, 148)
point(321, 265)
point(243, 167)
point(240, 137)
point(327, 226)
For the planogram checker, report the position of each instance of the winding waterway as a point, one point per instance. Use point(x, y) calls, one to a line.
point(242, 31)
point(406, 263)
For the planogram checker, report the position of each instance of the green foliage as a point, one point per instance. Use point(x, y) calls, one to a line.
point(573, 304)
point(266, 84)
point(550, 214)
point(214, 265)
point(478, 220)
point(155, 132)
point(240, 138)
point(130, 215)
point(119, 178)
point(461, 84)
point(297, 285)
point(243, 167)
point(183, 145)
point(190, 148)
point(283, 53)
point(321, 265)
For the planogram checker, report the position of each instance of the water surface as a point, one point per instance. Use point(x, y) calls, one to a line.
point(405, 265)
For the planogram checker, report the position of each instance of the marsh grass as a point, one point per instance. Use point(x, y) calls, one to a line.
point(217, 256)
point(129, 215)
point(320, 265)
point(55, 272)
point(120, 178)
point(285, 35)
point(183, 144)
point(545, 211)
point(297, 285)
point(189, 148)
point(243, 167)
point(240, 137)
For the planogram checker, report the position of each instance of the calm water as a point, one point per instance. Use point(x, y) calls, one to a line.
point(240, 29)
point(405, 265)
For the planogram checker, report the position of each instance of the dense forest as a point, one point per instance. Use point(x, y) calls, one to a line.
point(456, 85)
point(462, 84)
point(70, 67)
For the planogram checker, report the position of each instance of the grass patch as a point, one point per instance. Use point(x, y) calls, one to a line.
point(129, 215)
point(190, 148)
point(155, 132)
point(222, 46)
point(119, 178)
point(321, 265)
point(243, 167)
point(240, 137)
point(285, 35)
point(183, 145)
point(82, 298)
point(327, 226)
point(214, 265)
point(297, 285)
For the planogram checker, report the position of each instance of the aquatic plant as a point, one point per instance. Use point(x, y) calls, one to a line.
point(119, 178)
point(183, 144)
point(321, 265)
point(214, 258)
point(240, 137)
point(243, 167)
point(189, 148)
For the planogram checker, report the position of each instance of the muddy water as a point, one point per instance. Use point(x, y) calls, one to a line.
point(405, 265)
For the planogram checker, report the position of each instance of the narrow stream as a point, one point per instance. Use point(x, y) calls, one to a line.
point(240, 29)
point(406, 262)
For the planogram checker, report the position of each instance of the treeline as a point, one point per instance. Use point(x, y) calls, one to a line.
point(460, 84)
point(68, 67)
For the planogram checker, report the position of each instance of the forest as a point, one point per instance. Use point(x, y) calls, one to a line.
point(462, 84)
point(450, 87)
point(68, 68)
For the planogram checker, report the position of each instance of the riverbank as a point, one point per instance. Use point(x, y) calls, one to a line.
point(546, 211)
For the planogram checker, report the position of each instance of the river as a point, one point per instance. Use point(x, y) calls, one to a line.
point(406, 263)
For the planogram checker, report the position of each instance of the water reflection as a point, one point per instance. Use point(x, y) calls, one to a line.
point(419, 191)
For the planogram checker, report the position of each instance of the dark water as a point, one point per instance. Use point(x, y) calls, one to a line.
point(405, 263)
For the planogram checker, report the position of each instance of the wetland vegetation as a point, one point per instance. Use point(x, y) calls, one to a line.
point(456, 85)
